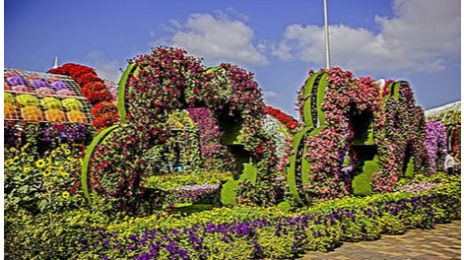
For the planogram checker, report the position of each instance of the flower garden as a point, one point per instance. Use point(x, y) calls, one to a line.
point(184, 161)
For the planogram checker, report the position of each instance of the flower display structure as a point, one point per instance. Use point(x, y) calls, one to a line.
point(403, 135)
point(450, 116)
point(94, 89)
point(155, 85)
point(53, 98)
point(341, 115)
point(436, 145)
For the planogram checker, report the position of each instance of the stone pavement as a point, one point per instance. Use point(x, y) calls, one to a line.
point(442, 242)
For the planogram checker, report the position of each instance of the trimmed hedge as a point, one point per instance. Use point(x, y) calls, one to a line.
point(233, 233)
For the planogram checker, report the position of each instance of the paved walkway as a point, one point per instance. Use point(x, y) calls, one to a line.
point(442, 242)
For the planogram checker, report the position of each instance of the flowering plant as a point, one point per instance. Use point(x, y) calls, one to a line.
point(55, 115)
point(59, 85)
point(245, 232)
point(76, 116)
point(10, 110)
point(21, 88)
point(65, 92)
point(31, 113)
point(436, 145)
point(104, 113)
point(50, 103)
point(48, 134)
point(403, 136)
point(27, 100)
point(344, 97)
point(215, 155)
point(45, 91)
point(160, 83)
point(8, 98)
point(72, 104)
point(92, 87)
point(16, 80)
point(285, 119)
point(40, 183)
point(39, 83)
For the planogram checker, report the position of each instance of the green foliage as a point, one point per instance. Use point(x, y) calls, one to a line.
point(236, 249)
point(229, 189)
point(228, 193)
point(276, 246)
point(47, 236)
point(409, 173)
point(362, 183)
point(122, 91)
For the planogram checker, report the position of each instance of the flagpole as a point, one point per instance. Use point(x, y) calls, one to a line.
point(327, 43)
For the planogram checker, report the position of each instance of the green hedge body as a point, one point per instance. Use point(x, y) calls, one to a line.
point(410, 168)
point(88, 155)
point(229, 189)
point(122, 90)
point(307, 118)
point(311, 130)
point(362, 183)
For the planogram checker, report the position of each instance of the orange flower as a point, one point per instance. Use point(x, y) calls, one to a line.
point(76, 116)
point(31, 113)
point(55, 115)
point(9, 110)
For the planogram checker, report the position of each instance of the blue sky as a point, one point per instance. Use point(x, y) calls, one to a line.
point(415, 40)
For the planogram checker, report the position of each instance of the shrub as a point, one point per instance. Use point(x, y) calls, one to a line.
point(234, 233)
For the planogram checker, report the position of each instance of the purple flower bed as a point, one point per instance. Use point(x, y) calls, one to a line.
point(39, 83)
point(16, 80)
point(264, 234)
point(59, 85)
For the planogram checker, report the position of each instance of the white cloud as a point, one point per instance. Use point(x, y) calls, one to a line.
point(421, 35)
point(105, 68)
point(269, 94)
point(218, 39)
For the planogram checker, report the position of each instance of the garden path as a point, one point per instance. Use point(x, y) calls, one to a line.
point(442, 242)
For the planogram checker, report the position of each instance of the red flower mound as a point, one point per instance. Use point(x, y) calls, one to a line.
point(93, 88)
point(285, 119)
point(105, 114)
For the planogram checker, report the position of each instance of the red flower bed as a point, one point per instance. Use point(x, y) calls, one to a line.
point(104, 112)
point(285, 119)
